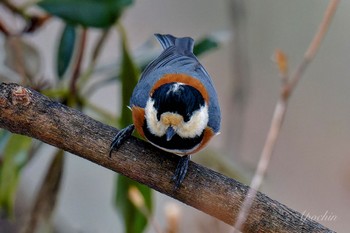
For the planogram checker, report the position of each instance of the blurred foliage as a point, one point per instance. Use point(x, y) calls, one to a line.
point(204, 45)
point(21, 63)
point(134, 220)
point(65, 49)
point(15, 154)
point(87, 13)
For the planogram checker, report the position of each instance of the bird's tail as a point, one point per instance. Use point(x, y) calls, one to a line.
point(182, 43)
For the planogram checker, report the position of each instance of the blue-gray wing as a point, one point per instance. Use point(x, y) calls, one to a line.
point(177, 57)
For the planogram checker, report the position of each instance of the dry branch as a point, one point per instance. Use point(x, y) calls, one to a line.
point(288, 86)
point(25, 111)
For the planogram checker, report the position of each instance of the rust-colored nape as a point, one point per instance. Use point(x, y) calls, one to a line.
point(182, 78)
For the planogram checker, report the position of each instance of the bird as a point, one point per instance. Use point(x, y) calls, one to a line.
point(174, 105)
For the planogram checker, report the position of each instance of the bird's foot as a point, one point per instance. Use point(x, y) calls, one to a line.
point(120, 138)
point(181, 171)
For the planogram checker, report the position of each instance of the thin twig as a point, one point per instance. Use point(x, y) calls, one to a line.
point(15, 9)
point(17, 45)
point(77, 67)
point(47, 196)
point(315, 44)
point(83, 80)
point(99, 45)
point(4, 29)
point(33, 22)
point(279, 115)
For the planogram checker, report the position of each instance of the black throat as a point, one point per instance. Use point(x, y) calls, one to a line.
point(176, 142)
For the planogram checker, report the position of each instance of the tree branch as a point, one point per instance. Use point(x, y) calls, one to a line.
point(25, 111)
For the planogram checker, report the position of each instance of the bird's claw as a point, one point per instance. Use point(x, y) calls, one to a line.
point(181, 170)
point(120, 138)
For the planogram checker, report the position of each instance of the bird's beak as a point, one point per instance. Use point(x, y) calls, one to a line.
point(170, 132)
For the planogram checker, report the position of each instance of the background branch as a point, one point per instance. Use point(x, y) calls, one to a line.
point(287, 87)
point(25, 111)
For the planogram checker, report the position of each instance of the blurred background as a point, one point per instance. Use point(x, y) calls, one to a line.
point(309, 171)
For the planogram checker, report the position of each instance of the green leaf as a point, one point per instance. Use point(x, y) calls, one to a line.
point(65, 49)
point(88, 13)
point(15, 157)
point(129, 75)
point(205, 45)
point(134, 220)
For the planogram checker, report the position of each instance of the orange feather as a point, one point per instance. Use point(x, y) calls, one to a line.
point(138, 117)
point(182, 78)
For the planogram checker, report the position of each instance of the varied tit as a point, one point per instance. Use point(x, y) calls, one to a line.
point(174, 105)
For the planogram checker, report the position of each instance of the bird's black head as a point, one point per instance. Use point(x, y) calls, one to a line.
point(177, 98)
point(176, 115)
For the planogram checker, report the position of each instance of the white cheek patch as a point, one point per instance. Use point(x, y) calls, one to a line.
point(155, 127)
point(195, 126)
